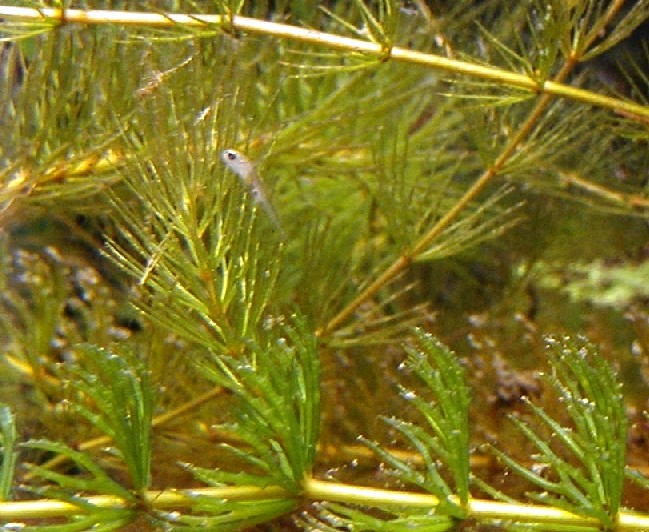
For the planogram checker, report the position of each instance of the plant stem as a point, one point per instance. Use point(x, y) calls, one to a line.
point(331, 41)
point(12, 511)
point(322, 491)
point(404, 260)
point(547, 90)
point(523, 131)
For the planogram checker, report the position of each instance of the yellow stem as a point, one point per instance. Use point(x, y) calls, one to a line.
point(404, 260)
point(401, 263)
point(546, 89)
point(328, 40)
point(318, 490)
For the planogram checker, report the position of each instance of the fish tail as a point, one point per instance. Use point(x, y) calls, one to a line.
point(260, 198)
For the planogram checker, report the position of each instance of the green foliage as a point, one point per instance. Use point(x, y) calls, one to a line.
point(332, 517)
point(69, 140)
point(223, 514)
point(277, 411)
point(114, 394)
point(382, 27)
point(615, 286)
point(637, 477)
point(93, 479)
point(99, 480)
point(581, 468)
point(9, 453)
point(208, 253)
point(488, 221)
point(629, 20)
point(409, 152)
point(444, 440)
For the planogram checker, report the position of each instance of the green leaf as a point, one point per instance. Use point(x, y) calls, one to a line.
point(332, 517)
point(217, 477)
point(9, 454)
point(637, 477)
point(224, 515)
point(382, 27)
point(99, 481)
point(115, 395)
point(488, 221)
point(587, 460)
point(444, 440)
point(607, 285)
point(101, 520)
point(194, 237)
point(277, 390)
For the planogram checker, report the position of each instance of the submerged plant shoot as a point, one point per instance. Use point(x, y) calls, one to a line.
point(341, 266)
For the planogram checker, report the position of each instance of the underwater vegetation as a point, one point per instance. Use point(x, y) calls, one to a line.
point(324, 265)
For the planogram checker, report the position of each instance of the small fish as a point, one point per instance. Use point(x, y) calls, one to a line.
point(245, 169)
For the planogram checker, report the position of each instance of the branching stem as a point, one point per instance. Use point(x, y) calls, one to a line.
point(524, 130)
point(336, 42)
point(547, 90)
point(404, 260)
